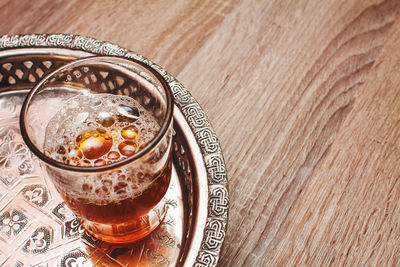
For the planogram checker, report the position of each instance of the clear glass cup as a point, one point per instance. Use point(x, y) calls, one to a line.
point(102, 128)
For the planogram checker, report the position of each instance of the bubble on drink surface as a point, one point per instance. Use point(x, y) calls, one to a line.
point(130, 132)
point(113, 155)
point(127, 148)
point(100, 162)
point(127, 113)
point(106, 119)
point(94, 144)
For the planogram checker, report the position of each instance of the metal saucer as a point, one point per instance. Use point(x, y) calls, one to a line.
point(36, 229)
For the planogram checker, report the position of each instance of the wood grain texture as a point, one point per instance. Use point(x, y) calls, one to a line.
point(304, 98)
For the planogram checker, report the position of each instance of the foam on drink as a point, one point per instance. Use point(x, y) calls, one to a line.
point(96, 130)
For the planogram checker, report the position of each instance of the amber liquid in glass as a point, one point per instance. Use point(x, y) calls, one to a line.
point(131, 211)
point(114, 205)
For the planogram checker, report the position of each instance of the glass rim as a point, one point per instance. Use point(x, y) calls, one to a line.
point(106, 59)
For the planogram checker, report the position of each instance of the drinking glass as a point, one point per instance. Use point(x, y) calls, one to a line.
point(102, 128)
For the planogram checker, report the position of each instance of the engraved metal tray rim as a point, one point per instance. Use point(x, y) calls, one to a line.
point(213, 190)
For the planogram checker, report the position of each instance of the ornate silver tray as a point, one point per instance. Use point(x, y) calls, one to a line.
point(36, 229)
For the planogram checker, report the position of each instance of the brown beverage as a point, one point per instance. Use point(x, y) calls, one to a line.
point(97, 130)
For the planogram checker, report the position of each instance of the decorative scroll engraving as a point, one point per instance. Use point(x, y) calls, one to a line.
point(60, 40)
point(110, 49)
point(218, 201)
point(39, 241)
point(36, 194)
point(32, 40)
point(181, 95)
point(208, 140)
point(156, 258)
point(74, 259)
point(73, 229)
point(9, 41)
point(216, 169)
point(87, 43)
point(162, 239)
point(195, 116)
point(214, 234)
point(206, 259)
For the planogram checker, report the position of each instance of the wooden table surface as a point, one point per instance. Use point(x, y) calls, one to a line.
point(304, 97)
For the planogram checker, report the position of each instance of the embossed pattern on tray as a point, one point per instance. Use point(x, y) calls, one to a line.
point(14, 220)
point(37, 228)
